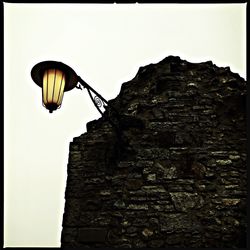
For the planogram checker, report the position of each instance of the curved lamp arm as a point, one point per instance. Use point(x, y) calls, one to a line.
point(99, 101)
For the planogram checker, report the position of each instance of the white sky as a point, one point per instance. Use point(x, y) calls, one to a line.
point(105, 45)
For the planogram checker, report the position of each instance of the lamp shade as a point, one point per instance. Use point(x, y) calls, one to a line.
point(54, 78)
point(53, 88)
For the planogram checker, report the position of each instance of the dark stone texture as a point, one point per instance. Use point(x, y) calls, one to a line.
point(175, 175)
point(92, 235)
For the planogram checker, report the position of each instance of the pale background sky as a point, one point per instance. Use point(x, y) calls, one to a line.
point(105, 45)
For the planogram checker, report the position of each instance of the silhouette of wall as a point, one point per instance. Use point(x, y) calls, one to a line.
point(176, 173)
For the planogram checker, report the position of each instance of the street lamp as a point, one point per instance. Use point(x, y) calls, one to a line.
point(55, 78)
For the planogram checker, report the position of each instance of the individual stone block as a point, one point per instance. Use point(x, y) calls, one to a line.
point(184, 201)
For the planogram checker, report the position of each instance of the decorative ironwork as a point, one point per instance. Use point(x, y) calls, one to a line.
point(98, 101)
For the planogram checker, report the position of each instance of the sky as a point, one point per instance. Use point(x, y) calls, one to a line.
point(105, 44)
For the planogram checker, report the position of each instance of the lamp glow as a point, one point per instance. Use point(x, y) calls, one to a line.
point(53, 89)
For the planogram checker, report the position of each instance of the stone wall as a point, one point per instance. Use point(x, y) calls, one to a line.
point(175, 174)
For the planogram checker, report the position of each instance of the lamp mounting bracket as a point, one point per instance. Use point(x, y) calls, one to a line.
point(79, 87)
point(100, 103)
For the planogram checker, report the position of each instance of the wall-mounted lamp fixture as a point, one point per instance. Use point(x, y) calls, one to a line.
point(55, 78)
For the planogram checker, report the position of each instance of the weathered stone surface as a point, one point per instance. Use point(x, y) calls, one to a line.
point(198, 169)
point(151, 177)
point(137, 207)
point(134, 184)
point(166, 171)
point(176, 223)
point(175, 175)
point(230, 202)
point(119, 204)
point(92, 235)
point(234, 157)
point(224, 162)
point(147, 232)
point(184, 201)
point(151, 190)
point(156, 243)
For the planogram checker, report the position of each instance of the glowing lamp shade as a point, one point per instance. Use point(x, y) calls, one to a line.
point(54, 78)
point(53, 88)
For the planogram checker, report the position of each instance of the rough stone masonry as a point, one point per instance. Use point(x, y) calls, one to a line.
point(173, 174)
